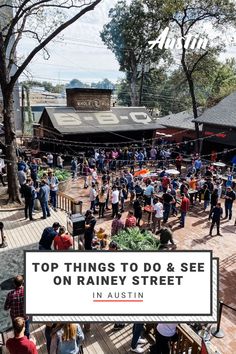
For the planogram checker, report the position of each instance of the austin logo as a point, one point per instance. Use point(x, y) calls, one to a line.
point(190, 41)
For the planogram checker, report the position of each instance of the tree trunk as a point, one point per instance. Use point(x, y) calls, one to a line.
point(10, 140)
point(195, 113)
point(133, 90)
point(193, 97)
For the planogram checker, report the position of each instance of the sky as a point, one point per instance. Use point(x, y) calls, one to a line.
point(81, 53)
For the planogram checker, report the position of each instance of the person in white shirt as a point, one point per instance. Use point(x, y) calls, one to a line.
point(115, 202)
point(92, 197)
point(50, 160)
point(158, 209)
point(53, 184)
point(166, 332)
point(94, 176)
point(60, 162)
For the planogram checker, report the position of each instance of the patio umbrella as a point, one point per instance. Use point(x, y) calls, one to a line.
point(141, 172)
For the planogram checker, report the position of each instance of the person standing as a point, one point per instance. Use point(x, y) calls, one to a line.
point(74, 168)
point(138, 213)
point(44, 192)
point(130, 220)
point(123, 197)
point(136, 338)
point(166, 332)
point(50, 160)
point(198, 164)
point(158, 209)
point(34, 171)
point(229, 199)
point(53, 185)
point(214, 199)
point(67, 339)
point(140, 159)
point(216, 214)
point(63, 241)
point(148, 193)
point(206, 196)
point(102, 197)
point(115, 201)
point(92, 197)
point(178, 163)
point(15, 302)
point(85, 171)
point(21, 178)
point(184, 208)
point(28, 191)
point(90, 223)
point(117, 225)
point(167, 201)
point(48, 235)
point(20, 344)
point(60, 162)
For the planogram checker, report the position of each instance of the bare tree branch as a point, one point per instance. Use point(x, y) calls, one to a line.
point(49, 38)
point(197, 62)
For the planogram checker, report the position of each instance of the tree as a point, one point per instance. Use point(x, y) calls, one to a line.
point(77, 83)
point(104, 84)
point(186, 17)
point(127, 35)
point(42, 21)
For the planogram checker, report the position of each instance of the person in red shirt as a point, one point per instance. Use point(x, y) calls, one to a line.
point(184, 208)
point(130, 220)
point(165, 183)
point(178, 163)
point(63, 241)
point(20, 344)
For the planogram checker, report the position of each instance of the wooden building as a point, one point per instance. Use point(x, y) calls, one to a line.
point(89, 118)
point(220, 121)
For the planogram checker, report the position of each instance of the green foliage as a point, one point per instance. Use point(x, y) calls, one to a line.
point(135, 240)
point(104, 84)
point(48, 86)
point(76, 83)
point(62, 175)
point(127, 35)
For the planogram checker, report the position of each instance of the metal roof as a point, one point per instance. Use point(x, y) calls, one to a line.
point(67, 120)
point(182, 120)
point(223, 113)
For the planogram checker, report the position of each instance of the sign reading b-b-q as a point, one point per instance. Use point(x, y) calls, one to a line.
point(179, 286)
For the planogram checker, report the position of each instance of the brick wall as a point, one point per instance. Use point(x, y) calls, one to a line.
point(89, 99)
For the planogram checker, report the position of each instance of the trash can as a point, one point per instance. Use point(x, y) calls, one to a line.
point(77, 207)
point(76, 224)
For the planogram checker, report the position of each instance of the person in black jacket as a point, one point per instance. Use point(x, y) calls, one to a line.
point(206, 196)
point(28, 192)
point(216, 215)
point(229, 199)
point(138, 209)
point(214, 200)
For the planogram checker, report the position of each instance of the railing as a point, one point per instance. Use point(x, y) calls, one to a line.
point(189, 342)
point(68, 204)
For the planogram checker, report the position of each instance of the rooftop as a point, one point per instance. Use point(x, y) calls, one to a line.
point(223, 113)
point(67, 120)
point(182, 120)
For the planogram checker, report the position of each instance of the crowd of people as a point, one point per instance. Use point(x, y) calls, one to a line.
point(67, 338)
point(116, 185)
